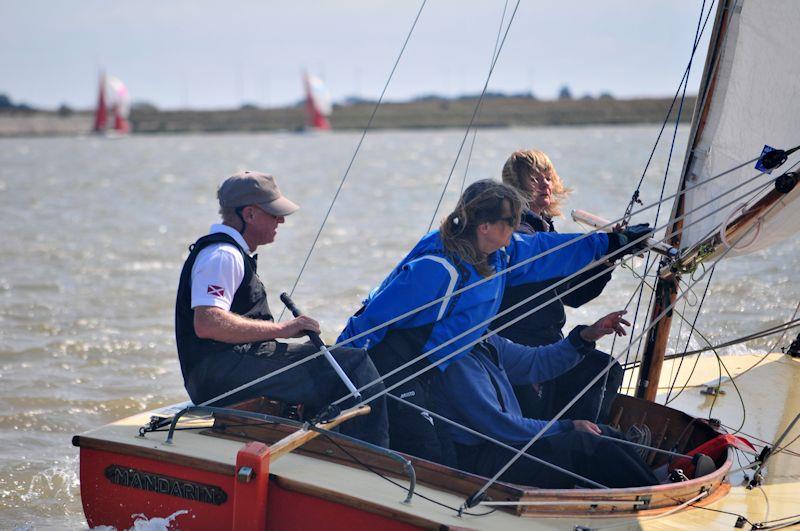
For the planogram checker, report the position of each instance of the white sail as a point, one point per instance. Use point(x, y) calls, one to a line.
point(752, 99)
point(119, 96)
point(320, 94)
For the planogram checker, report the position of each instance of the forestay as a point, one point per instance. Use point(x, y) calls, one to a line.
point(752, 98)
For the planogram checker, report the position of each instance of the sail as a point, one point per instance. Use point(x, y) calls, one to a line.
point(121, 105)
point(318, 103)
point(749, 98)
point(100, 113)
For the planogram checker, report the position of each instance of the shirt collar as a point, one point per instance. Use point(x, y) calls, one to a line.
point(233, 233)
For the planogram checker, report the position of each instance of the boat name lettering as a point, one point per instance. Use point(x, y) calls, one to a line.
point(188, 490)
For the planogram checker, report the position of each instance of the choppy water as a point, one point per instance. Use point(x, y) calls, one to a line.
point(96, 231)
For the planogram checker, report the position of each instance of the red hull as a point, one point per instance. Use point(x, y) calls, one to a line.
point(108, 503)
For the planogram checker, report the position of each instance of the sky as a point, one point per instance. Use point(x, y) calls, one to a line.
point(203, 54)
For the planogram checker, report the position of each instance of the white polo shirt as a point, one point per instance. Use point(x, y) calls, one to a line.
point(218, 271)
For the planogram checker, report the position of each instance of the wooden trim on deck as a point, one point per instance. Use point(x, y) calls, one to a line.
point(155, 454)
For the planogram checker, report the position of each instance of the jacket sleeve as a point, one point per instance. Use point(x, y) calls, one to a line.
point(560, 263)
point(466, 386)
point(415, 284)
point(589, 291)
point(529, 365)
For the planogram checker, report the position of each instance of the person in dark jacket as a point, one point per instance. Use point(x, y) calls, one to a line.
point(476, 392)
point(532, 174)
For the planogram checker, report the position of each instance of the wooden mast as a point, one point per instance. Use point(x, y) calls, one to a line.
point(667, 285)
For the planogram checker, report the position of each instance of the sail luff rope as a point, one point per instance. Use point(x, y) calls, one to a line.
point(355, 153)
point(668, 308)
point(474, 113)
point(477, 119)
point(486, 279)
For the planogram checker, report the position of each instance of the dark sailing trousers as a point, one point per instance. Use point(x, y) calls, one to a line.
point(603, 461)
point(554, 394)
point(313, 383)
point(416, 432)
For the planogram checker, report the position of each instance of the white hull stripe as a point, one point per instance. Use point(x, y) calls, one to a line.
point(453, 279)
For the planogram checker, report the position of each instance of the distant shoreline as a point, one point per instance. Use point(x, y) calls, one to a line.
point(434, 113)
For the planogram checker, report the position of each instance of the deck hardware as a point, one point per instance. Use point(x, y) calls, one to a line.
point(645, 502)
point(740, 522)
point(677, 475)
point(713, 390)
point(245, 474)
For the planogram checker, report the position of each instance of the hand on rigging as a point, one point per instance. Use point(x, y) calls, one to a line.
point(636, 236)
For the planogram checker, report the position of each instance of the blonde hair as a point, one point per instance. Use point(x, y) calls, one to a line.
point(481, 202)
point(524, 163)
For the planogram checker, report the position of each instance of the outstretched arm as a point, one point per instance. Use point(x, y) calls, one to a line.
point(525, 364)
point(577, 253)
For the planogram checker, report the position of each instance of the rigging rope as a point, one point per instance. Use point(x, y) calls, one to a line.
point(689, 336)
point(474, 114)
point(355, 153)
point(487, 279)
point(635, 197)
point(475, 129)
point(502, 313)
point(667, 309)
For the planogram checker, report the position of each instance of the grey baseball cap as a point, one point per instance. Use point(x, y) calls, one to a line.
point(254, 188)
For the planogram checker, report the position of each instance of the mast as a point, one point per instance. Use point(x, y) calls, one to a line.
point(666, 288)
point(100, 113)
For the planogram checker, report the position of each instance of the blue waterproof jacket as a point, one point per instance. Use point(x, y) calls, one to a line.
point(427, 273)
point(476, 391)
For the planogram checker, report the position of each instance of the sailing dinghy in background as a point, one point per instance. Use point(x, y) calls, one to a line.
point(114, 94)
point(235, 468)
point(318, 103)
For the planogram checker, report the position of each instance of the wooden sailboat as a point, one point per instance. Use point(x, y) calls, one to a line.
point(228, 468)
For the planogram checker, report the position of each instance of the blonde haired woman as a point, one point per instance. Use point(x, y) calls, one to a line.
point(532, 174)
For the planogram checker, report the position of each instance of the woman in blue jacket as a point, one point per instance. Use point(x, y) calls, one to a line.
point(476, 248)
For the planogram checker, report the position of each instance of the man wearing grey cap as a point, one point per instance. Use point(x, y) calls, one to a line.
point(225, 331)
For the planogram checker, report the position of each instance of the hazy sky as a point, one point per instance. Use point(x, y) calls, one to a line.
point(220, 54)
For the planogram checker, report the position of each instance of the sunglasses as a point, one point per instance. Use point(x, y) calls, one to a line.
point(511, 221)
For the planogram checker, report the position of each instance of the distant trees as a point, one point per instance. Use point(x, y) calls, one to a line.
point(65, 110)
point(7, 105)
point(565, 93)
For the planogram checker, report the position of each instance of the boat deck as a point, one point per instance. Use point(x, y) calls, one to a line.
point(762, 388)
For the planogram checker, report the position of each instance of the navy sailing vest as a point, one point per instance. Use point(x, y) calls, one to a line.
point(250, 300)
